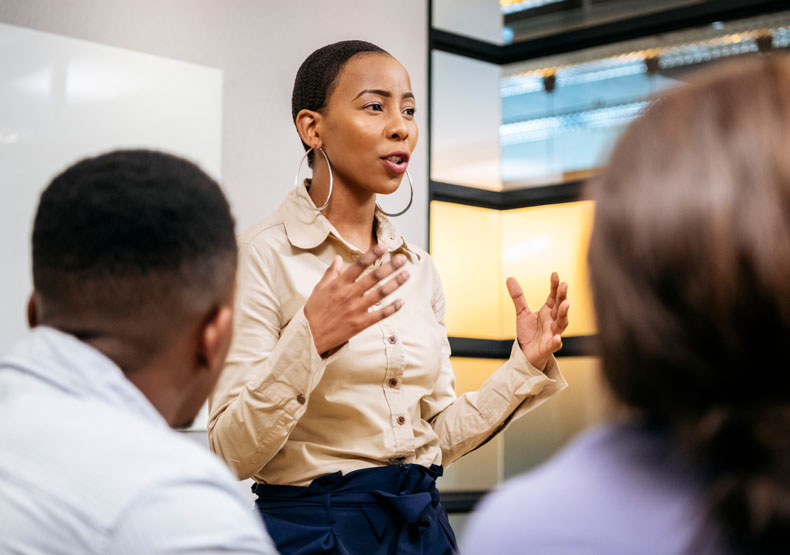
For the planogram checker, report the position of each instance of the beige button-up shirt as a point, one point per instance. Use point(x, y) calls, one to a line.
point(282, 414)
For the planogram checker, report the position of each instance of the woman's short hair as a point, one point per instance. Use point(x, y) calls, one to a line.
point(317, 76)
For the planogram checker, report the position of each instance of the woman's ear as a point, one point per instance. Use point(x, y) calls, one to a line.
point(308, 123)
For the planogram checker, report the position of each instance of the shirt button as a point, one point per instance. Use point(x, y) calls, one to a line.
point(300, 399)
point(392, 339)
point(401, 420)
point(393, 382)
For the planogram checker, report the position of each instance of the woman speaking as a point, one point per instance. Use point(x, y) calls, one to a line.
point(338, 395)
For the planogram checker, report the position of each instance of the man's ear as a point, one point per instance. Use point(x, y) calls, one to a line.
point(308, 123)
point(32, 310)
point(214, 339)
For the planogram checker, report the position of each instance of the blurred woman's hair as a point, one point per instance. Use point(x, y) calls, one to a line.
point(690, 268)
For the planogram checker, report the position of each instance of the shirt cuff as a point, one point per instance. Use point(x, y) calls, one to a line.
point(531, 386)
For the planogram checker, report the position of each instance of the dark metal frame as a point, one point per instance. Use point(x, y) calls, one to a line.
point(506, 200)
point(574, 346)
point(619, 30)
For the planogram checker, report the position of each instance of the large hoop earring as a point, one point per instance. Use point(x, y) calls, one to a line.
point(411, 198)
point(296, 179)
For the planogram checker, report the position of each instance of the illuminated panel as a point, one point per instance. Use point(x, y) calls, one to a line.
point(482, 468)
point(470, 373)
point(541, 239)
point(465, 246)
point(586, 402)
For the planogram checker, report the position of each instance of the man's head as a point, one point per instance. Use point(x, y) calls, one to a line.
point(134, 252)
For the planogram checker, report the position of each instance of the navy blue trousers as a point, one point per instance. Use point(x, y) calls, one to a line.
point(385, 510)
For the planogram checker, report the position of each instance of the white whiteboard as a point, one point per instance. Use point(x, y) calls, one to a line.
point(62, 99)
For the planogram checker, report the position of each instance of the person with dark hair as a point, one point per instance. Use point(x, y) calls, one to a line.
point(338, 398)
point(134, 263)
point(690, 269)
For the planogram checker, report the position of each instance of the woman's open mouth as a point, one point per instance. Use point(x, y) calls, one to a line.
point(396, 162)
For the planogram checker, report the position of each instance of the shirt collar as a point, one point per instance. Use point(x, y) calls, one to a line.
point(79, 370)
point(307, 228)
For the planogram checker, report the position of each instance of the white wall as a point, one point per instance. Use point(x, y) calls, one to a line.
point(258, 44)
point(62, 99)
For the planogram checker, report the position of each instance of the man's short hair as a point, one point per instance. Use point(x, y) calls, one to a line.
point(133, 235)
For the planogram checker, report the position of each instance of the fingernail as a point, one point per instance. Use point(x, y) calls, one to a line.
point(399, 260)
point(405, 275)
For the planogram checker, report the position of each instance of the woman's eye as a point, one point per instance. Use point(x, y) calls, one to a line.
point(409, 111)
point(375, 107)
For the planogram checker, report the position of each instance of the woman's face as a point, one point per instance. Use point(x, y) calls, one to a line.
point(367, 128)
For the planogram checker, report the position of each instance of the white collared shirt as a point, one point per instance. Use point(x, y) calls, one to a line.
point(87, 464)
point(283, 415)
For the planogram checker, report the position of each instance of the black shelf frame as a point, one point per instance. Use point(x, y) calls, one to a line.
point(634, 27)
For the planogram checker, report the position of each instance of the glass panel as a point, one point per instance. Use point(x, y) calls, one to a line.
point(476, 249)
point(470, 373)
point(478, 19)
point(530, 19)
point(521, 20)
point(465, 246)
point(539, 240)
point(534, 438)
point(479, 470)
point(562, 114)
point(537, 436)
point(465, 119)
point(482, 468)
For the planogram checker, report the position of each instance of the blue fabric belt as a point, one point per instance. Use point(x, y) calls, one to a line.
point(400, 504)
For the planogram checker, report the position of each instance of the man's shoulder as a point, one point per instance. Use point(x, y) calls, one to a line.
point(82, 470)
point(97, 458)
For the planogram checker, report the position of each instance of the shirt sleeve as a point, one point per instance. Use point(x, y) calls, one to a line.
point(465, 423)
point(190, 517)
point(270, 372)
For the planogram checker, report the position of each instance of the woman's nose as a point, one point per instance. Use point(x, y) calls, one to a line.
point(397, 128)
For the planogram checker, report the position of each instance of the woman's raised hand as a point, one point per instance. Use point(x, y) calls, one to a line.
point(338, 307)
point(539, 333)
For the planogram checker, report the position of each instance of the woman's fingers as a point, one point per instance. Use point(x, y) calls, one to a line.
point(517, 295)
point(561, 321)
point(368, 258)
point(332, 271)
point(551, 300)
point(378, 294)
point(562, 294)
point(368, 281)
point(386, 311)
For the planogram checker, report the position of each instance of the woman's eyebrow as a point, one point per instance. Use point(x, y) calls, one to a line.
point(382, 92)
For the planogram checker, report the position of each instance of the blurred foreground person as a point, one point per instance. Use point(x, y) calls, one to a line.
point(134, 261)
point(690, 269)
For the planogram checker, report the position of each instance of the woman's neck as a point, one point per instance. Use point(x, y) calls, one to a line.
point(350, 211)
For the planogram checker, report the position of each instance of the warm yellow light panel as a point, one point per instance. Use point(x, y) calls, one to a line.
point(465, 246)
point(537, 436)
point(541, 239)
point(470, 373)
